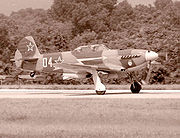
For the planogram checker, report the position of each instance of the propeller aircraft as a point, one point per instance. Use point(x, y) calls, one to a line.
point(84, 62)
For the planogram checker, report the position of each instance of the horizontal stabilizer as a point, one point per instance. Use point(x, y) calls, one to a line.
point(25, 59)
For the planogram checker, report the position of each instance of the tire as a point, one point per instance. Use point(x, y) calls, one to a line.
point(135, 87)
point(32, 74)
point(100, 92)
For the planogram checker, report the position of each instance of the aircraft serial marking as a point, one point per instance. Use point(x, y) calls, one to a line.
point(49, 61)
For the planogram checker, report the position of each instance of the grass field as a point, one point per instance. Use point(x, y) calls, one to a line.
point(86, 87)
point(90, 118)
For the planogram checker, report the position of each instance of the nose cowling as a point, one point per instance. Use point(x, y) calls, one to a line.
point(150, 55)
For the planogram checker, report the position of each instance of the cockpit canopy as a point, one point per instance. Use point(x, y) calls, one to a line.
point(94, 48)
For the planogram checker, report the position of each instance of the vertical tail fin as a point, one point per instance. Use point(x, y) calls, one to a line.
point(27, 47)
point(26, 50)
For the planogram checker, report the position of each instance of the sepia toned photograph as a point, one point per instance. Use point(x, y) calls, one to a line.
point(89, 68)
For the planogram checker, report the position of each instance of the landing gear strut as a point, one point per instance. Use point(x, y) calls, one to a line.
point(32, 74)
point(99, 87)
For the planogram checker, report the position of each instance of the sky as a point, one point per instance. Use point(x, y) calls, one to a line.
point(144, 2)
point(136, 2)
point(7, 6)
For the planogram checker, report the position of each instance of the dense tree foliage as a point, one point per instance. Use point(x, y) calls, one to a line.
point(69, 24)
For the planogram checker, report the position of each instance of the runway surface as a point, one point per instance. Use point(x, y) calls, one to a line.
point(36, 93)
point(82, 113)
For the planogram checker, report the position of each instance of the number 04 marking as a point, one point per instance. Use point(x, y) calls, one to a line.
point(46, 62)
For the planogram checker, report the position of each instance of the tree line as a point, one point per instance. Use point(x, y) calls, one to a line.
point(69, 24)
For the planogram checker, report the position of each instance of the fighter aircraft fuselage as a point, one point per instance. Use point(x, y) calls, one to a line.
point(82, 61)
point(107, 60)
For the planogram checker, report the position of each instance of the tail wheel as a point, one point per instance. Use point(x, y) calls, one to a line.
point(135, 87)
point(32, 74)
point(100, 92)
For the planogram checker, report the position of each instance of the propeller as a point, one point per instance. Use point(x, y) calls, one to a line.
point(148, 73)
point(162, 56)
point(149, 69)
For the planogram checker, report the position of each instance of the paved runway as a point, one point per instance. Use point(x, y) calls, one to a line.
point(82, 113)
point(35, 93)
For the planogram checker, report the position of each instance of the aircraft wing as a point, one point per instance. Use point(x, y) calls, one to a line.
point(87, 68)
point(73, 67)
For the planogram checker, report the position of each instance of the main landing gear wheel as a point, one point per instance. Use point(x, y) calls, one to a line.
point(99, 87)
point(135, 87)
point(32, 74)
point(100, 92)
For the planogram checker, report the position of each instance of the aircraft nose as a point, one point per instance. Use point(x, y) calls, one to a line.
point(150, 55)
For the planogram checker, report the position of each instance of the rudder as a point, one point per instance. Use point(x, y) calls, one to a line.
point(26, 51)
point(27, 47)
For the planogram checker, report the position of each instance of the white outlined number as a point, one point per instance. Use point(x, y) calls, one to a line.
point(50, 62)
point(44, 62)
point(47, 62)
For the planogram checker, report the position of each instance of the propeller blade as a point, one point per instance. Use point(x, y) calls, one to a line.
point(148, 75)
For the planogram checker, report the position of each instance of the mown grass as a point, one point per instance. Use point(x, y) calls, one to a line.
point(90, 118)
point(87, 87)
